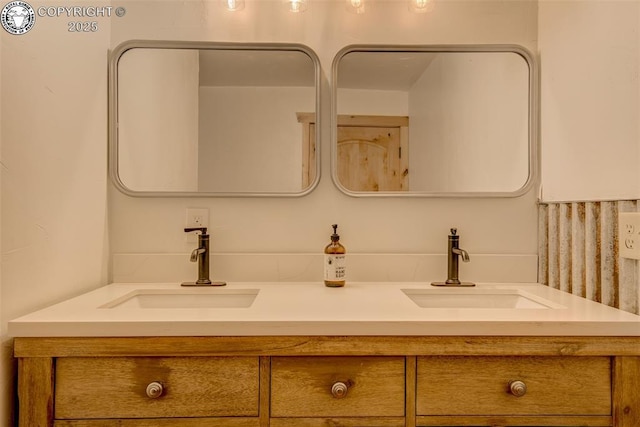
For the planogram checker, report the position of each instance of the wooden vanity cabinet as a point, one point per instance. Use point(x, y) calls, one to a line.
point(328, 381)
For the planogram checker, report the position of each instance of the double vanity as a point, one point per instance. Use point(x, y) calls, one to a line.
point(302, 354)
point(279, 354)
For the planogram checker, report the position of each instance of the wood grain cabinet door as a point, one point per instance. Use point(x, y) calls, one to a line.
point(481, 386)
point(302, 386)
point(191, 387)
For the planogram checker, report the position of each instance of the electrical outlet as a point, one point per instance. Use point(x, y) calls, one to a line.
point(196, 217)
point(629, 234)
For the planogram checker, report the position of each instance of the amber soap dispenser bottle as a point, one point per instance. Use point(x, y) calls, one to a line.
point(335, 265)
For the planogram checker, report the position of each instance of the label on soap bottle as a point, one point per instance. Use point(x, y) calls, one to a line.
point(335, 267)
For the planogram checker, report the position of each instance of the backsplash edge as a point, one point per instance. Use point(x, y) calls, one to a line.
point(307, 267)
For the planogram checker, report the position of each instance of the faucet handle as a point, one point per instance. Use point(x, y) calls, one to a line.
point(454, 231)
point(202, 230)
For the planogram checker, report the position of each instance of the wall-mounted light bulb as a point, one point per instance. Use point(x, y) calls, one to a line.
point(355, 6)
point(296, 5)
point(233, 5)
point(420, 6)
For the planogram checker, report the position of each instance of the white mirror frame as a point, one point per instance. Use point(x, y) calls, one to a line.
point(533, 116)
point(114, 58)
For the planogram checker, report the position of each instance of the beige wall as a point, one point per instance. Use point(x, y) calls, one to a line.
point(158, 148)
point(53, 231)
point(243, 129)
point(590, 52)
point(5, 345)
point(463, 142)
point(303, 225)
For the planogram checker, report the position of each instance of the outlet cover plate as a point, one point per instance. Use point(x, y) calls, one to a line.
point(629, 234)
point(196, 217)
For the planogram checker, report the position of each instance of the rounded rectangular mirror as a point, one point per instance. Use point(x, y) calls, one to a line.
point(434, 121)
point(214, 119)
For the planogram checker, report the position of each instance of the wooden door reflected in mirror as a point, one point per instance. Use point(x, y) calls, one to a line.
point(372, 153)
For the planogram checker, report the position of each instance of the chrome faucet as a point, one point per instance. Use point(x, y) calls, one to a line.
point(453, 253)
point(201, 256)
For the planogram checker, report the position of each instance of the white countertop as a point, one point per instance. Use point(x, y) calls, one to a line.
point(310, 308)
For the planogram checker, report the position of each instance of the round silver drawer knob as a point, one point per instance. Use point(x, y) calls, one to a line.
point(339, 390)
point(518, 388)
point(154, 390)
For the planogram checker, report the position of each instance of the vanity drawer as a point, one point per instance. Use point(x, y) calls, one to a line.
point(481, 386)
point(192, 387)
point(302, 386)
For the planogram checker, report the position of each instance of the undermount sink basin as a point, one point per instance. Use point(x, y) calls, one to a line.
point(477, 298)
point(185, 298)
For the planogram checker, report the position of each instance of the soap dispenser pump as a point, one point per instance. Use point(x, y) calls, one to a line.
point(335, 261)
